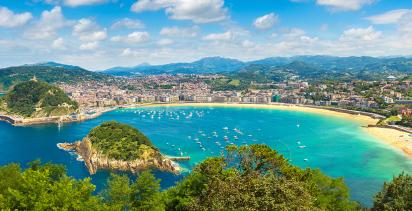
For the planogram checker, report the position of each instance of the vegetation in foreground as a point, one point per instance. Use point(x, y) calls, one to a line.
point(119, 141)
point(247, 178)
point(37, 99)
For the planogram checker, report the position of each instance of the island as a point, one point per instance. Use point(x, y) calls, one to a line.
point(117, 146)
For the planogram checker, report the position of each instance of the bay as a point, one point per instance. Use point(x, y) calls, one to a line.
point(339, 147)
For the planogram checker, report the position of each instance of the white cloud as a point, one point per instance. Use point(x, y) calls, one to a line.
point(134, 37)
point(180, 31)
point(266, 21)
point(248, 44)
point(390, 17)
point(199, 11)
point(164, 42)
point(58, 44)
point(360, 34)
point(293, 33)
point(75, 3)
point(47, 26)
point(87, 30)
point(219, 37)
point(128, 23)
point(10, 19)
point(89, 46)
point(344, 4)
point(127, 52)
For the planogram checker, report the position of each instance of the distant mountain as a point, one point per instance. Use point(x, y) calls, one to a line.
point(306, 66)
point(54, 64)
point(205, 65)
point(50, 72)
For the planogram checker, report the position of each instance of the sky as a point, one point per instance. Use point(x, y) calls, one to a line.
point(99, 34)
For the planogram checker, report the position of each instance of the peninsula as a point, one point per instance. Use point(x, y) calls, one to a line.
point(117, 146)
point(36, 102)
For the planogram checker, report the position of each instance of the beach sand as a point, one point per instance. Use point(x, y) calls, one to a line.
point(399, 140)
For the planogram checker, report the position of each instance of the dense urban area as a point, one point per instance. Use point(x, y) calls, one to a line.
point(390, 97)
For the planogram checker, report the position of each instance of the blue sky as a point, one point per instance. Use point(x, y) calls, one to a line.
point(99, 34)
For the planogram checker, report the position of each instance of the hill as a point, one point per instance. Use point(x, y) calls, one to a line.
point(205, 65)
point(119, 141)
point(281, 68)
point(117, 146)
point(49, 72)
point(37, 99)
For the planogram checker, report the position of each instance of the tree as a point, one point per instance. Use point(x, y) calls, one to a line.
point(395, 195)
point(146, 192)
point(44, 187)
point(118, 192)
point(257, 178)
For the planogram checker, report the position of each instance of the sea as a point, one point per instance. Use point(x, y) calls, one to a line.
point(338, 147)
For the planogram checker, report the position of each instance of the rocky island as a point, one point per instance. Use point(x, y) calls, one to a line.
point(117, 146)
point(33, 102)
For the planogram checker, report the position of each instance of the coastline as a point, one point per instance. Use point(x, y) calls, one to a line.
point(393, 137)
point(21, 121)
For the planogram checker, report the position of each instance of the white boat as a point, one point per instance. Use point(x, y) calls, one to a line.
point(305, 159)
point(303, 146)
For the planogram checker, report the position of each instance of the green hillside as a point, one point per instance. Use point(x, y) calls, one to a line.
point(37, 99)
point(51, 74)
point(120, 141)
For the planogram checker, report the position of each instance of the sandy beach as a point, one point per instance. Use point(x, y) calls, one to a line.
point(397, 139)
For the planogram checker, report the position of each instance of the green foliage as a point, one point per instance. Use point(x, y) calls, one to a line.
point(395, 195)
point(257, 178)
point(406, 121)
point(146, 192)
point(119, 141)
point(118, 192)
point(27, 96)
point(248, 178)
point(143, 194)
point(44, 187)
point(14, 75)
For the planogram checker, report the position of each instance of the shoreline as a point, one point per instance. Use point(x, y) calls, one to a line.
point(21, 121)
point(396, 138)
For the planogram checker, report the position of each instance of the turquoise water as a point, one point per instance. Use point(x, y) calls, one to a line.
point(339, 147)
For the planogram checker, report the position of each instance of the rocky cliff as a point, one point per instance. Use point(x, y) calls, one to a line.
point(95, 160)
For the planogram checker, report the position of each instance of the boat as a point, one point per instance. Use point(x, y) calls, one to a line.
point(298, 142)
point(305, 159)
point(302, 147)
point(235, 137)
point(225, 128)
